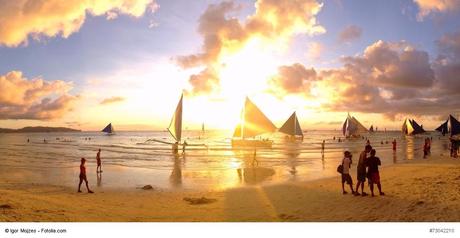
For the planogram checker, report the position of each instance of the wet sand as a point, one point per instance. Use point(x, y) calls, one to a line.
point(423, 190)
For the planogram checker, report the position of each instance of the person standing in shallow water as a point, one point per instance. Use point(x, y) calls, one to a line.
point(346, 178)
point(373, 174)
point(361, 170)
point(83, 176)
point(394, 145)
point(99, 163)
point(322, 146)
point(175, 148)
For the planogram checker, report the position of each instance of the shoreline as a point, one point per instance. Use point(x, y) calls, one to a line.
point(423, 190)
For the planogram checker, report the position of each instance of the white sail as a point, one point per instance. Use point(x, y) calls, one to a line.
point(175, 126)
point(253, 122)
point(352, 127)
point(291, 126)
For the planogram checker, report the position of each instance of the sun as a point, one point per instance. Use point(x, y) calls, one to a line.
point(247, 70)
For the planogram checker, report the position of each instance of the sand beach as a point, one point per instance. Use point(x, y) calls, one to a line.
point(422, 190)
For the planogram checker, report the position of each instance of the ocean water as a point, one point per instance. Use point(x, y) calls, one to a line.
point(130, 161)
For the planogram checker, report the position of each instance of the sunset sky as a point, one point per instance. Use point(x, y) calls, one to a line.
point(82, 64)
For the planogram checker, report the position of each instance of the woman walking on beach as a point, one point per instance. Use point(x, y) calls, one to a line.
point(83, 176)
point(346, 178)
point(373, 174)
point(99, 163)
point(361, 171)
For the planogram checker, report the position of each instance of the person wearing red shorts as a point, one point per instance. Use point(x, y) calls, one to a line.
point(83, 176)
point(373, 174)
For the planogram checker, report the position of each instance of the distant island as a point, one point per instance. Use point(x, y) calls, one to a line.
point(38, 129)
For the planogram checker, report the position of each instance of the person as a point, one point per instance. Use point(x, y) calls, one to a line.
point(98, 160)
point(175, 147)
point(83, 176)
point(322, 146)
point(346, 178)
point(394, 144)
point(183, 146)
point(373, 174)
point(340, 140)
point(28, 140)
point(368, 142)
point(429, 144)
point(425, 148)
point(361, 170)
point(334, 138)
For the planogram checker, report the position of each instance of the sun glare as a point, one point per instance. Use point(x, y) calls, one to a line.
point(247, 71)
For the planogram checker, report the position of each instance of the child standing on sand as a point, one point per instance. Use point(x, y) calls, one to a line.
point(346, 178)
point(83, 176)
point(373, 174)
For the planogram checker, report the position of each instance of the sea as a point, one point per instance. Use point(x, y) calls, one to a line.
point(131, 159)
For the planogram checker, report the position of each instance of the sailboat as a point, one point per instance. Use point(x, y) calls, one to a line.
point(451, 125)
point(411, 127)
point(292, 127)
point(108, 129)
point(253, 123)
point(175, 126)
point(352, 127)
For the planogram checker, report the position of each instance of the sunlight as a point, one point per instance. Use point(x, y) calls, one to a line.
point(246, 72)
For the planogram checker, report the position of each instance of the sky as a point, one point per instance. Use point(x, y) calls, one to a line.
point(83, 64)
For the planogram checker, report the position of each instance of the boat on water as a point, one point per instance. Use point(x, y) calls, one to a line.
point(452, 126)
point(371, 129)
point(352, 128)
point(292, 128)
point(253, 123)
point(411, 127)
point(109, 130)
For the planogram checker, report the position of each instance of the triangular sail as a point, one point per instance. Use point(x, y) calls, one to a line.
point(411, 127)
point(108, 128)
point(444, 127)
point(175, 127)
point(254, 122)
point(292, 126)
point(454, 126)
point(352, 127)
point(417, 128)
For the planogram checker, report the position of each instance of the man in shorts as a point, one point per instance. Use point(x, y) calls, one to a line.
point(361, 170)
point(373, 174)
point(346, 178)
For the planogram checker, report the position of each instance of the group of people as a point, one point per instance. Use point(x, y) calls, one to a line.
point(82, 175)
point(368, 167)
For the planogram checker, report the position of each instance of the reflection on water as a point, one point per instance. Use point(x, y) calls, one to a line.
point(99, 179)
point(176, 175)
point(132, 161)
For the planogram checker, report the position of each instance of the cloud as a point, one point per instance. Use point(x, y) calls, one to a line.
point(431, 6)
point(293, 79)
point(350, 33)
point(20, 19)
point(39, 99)
point(274, 22)
point(391, 78)
point(111, 100)
point(315, 49)
point(447, 65)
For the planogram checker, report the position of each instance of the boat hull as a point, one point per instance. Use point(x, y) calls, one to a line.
point(251, 143)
